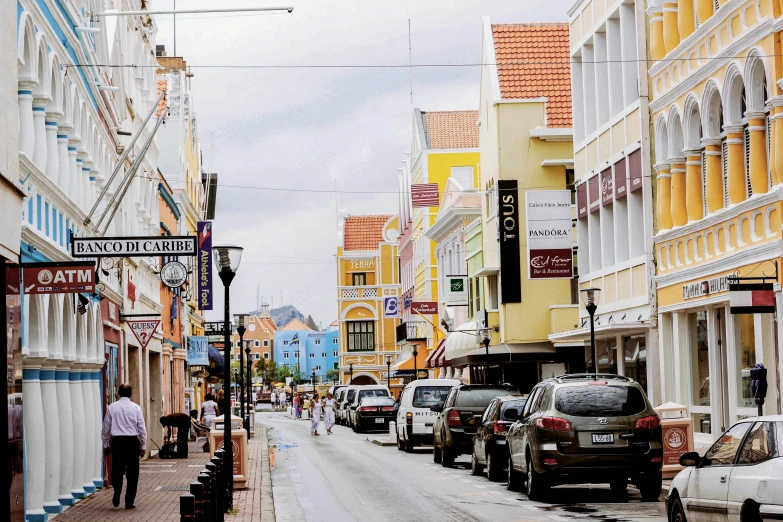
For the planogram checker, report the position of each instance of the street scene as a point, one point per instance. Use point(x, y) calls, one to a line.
point(391, 260)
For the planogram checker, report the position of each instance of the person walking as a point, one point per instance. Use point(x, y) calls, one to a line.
point(329, 406)
point(125, 439)
point(209, 410)
point(273, 400)
point(282, 399)
point(295, 402)
point(316, 409)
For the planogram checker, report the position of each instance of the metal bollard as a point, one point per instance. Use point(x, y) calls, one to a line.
point(207, 500)
point(221, 486)
point(197, 490)
point(187, 508)
point(215, 490)
point(392, 431)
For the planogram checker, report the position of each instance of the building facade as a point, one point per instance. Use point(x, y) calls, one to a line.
point(259, 336)
point(367, 272)
point(310, 352)
point(615, 204)
point(718, 134)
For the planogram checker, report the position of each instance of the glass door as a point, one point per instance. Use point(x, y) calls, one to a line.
point(699, 358)
point(721, 392)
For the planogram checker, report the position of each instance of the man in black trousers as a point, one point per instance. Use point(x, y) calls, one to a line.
point(181, 421)
point(125, 439)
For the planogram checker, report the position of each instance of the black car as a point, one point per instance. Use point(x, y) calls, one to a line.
point(456, 423)
point(489, 442)
point(374, 413)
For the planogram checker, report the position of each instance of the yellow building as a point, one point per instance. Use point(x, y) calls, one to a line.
point(445, 146)
point(718, 122)
point(367, 275)
point(526, 145)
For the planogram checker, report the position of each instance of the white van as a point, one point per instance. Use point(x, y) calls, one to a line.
point(414, 418)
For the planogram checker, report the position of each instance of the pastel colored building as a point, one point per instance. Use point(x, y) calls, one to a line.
point(259, 336)
point(307, 351)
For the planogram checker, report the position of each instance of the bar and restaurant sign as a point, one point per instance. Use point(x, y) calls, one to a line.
point(204, 263)
point(140, 246)
point(549, 242)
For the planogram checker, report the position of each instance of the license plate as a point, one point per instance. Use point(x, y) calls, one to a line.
point(603, 438)
point(378, 421)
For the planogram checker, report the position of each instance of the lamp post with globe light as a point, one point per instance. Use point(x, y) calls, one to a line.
point(240, 320)
point(250, 407)
point(589, 298)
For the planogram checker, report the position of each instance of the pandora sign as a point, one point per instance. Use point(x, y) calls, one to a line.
point(549, 243)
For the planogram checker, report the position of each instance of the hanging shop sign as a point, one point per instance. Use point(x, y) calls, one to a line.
point(751, 298)
point(594, 193)
point(204, 265)
point(581, 200)
point(424, 195)
point(173, 274)
point(710, 286)
point(391, 307)
point(143, 330)
point(508, 237)
point(549, 242)
point(214, 328)
point(607, 187)
point(635, 170)
point(620, 181)
point(52, 278)
point(141, 246)
point(198, 351)
point(424, 307)
point(457, 290)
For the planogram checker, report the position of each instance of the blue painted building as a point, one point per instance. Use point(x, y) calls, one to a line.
point(308, 350)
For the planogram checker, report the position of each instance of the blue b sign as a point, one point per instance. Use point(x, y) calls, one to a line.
point(391, 307)
point(198, 352)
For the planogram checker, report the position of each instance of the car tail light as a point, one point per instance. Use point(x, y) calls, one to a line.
point(368, 408)
point(387, 408)
point(648, 423)
point(656, 460)
point(499, 427)
point(550, 461)
point(553, 423)
point(409, 418)
point(453, 419)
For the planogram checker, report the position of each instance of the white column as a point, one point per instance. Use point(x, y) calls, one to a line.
point(51, 425)
point(39, 129)
point(87, 186)
point(65, 417)
point(64, 160)
point(34, 443)
point(52, 148)
point(89, 432)
point(79, 444)
point(73, 184)
point(81, 183)
point(95, 387)
point(26, 126)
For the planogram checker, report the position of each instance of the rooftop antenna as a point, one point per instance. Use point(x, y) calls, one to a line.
point(410, 62)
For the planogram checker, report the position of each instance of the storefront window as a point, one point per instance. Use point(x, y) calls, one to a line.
point(746, 359)
point(700, 369)
point(607, 355)
point(635, 349)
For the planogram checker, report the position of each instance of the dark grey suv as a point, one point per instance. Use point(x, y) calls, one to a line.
point(583, 429)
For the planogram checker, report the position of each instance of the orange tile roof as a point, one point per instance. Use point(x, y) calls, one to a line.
point(364, 232)
point(452, 129)
point(533, 61)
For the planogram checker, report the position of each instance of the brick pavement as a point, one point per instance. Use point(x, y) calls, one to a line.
point(157, 505)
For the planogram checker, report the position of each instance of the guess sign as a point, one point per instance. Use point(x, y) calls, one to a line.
point(48, 279)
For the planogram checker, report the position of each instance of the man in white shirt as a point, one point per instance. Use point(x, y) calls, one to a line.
point(125, 439)
point(282, 399)
point(273, 400)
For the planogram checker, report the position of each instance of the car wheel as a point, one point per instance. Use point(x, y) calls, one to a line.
point(536, 486)
point(408, 446)
point(436, 454)
point(619, 487)
point(446, 457)
point(514, 480)
point(750, 512)
point(399, 442)
point(677, 513)
point(494, 469)
point(475, 467)
point(650, 487)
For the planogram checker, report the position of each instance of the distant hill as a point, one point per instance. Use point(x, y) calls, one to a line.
point(284, 314)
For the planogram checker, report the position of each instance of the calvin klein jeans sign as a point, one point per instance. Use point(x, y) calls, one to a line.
point(142, 246)
point(549, 243)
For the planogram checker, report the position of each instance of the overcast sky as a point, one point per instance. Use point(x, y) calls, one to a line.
point(317, 128)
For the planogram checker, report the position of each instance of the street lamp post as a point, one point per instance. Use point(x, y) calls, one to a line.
point(415, 362)
point(589, 297)
point(249, 406)
point(486, 342)
point(227, 259)
point(241, 322)
point(312, 380)
point(350, 369)
point(388, 372)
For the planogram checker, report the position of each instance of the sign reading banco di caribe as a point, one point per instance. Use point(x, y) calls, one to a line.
point(133, 246)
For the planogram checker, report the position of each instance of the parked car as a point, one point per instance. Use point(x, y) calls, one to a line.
point(374, 413)
point(456, 424)
point(345, 401)
point(335, 388)
point(414, 417)
point(370, 390)
point(740, 478)
point(586, 429)
point(489, 442)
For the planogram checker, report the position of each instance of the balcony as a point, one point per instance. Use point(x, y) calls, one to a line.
point(359, 292)
point(412, 331)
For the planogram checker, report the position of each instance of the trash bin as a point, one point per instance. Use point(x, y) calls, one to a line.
point(677, 435)
point(238, 445)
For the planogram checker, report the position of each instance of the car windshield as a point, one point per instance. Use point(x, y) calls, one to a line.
point(351, 393)
point(479, 397)
point(513, 405)
point(377, 401)
point(599, 401)
point(372, 393)
point(426, 396)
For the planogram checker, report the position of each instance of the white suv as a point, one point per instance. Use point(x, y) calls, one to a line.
point(414, 418)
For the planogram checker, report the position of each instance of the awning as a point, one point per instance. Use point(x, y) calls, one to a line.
point(507, 352)
point(486, 271)
point(441, 362)
point(461, 341)
point(432, 358)
point(582, 335)
point(407, 364)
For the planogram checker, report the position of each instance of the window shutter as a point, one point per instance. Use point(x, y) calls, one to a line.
point(704, 181)
point(747, 161)
point(724, 146)
point(769, 148)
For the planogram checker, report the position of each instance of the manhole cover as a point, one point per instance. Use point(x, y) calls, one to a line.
point(173, 488)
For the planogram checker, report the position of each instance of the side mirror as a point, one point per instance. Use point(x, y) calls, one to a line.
point(437, 408)
point(511, 414)
point(690, 459)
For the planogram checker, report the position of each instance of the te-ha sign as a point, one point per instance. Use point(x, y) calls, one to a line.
point(49, 279)
point(362, 264)
point(133, 246)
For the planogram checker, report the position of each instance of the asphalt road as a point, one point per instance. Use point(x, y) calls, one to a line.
point(346, 477)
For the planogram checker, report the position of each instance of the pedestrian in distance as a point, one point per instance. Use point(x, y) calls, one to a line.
point(273, 400)
point(316, 410)
point(329, 407)
point(296, 406)
point(282, 399)
point(125, 439)
point(209, 410)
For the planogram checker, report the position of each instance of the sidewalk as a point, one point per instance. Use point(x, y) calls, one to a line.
point(161, 482)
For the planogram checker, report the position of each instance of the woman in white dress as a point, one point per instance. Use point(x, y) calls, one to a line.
point(209, 410)
point(316, 410)
point(329, 405)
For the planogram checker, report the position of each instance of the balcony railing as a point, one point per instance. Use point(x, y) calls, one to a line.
point(412, 331)
point(360, 292)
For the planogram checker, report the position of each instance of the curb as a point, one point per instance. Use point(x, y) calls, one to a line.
point(267, 497)
point(383, 442)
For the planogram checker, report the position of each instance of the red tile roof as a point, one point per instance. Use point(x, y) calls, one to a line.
point(452, 129)
point(364, 232)
point(533, 61)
